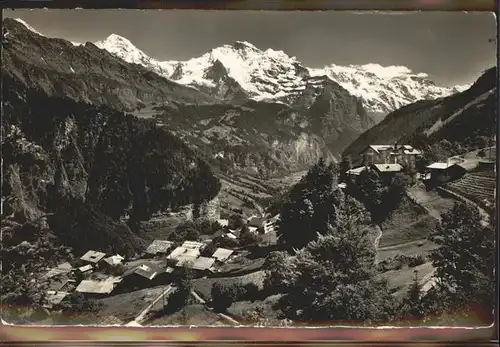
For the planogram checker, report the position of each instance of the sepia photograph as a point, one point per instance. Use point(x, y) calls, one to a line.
point(248, 168)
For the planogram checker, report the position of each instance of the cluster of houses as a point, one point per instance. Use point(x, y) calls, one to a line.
point(92, 279)
point(256, 225)
point(389, 160)
point(94, 276)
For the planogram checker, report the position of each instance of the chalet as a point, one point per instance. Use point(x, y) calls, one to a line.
point(263, 225)
point(144, 275)
point(93, 257)
point(114, 260)
point(194, 245)
point(85, 270)
point(54, 298)
point(60, 270)
point(390, 154)
point(98, 288)
point(376, 154)
point(387, 171)
point(353, 174)
point(222, 254)
point(146, 271)
point(444, 172)
point(159, 247)
point(201, 264)
point(180, 254)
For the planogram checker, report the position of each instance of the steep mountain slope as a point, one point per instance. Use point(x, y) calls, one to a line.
point(273, 75)
point(465, 118)
point(267, 137)
point(89, 166)
point(86, 73)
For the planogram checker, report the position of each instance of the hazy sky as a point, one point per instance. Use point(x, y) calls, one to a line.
point(452, 47)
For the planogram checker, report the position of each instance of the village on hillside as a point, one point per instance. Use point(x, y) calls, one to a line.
point(470, 176)
point(97, 275)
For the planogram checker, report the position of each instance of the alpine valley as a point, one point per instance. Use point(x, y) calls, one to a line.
point(231, 157)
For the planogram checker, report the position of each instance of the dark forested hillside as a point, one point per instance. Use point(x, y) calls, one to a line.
point(89, 165)
point(468, 119)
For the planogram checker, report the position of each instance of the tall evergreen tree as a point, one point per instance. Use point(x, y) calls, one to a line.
point(464, 262)
point(310, 206)
point(335, 281)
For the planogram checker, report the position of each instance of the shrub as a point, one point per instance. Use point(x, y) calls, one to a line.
point(222, 296)
point(117, 270)
point(251, 291)
point(209, 250)
point(236, 221)
point(248, 238)
point(415, 260)
point(225, 242)
point(185, 231)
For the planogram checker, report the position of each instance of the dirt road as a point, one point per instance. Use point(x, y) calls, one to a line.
point(144, 312)
point(221, 315)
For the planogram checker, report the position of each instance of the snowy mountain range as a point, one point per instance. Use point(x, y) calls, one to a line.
point(275, 76)
point(242, 68)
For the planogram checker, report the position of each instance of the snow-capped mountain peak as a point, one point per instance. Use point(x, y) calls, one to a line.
point(243, 45)
point(126, 50)
point(385, 88)
point(274, 75)
point(123, 48)
point(29, 27)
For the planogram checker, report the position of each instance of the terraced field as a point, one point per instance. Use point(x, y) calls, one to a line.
point(478, 187)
